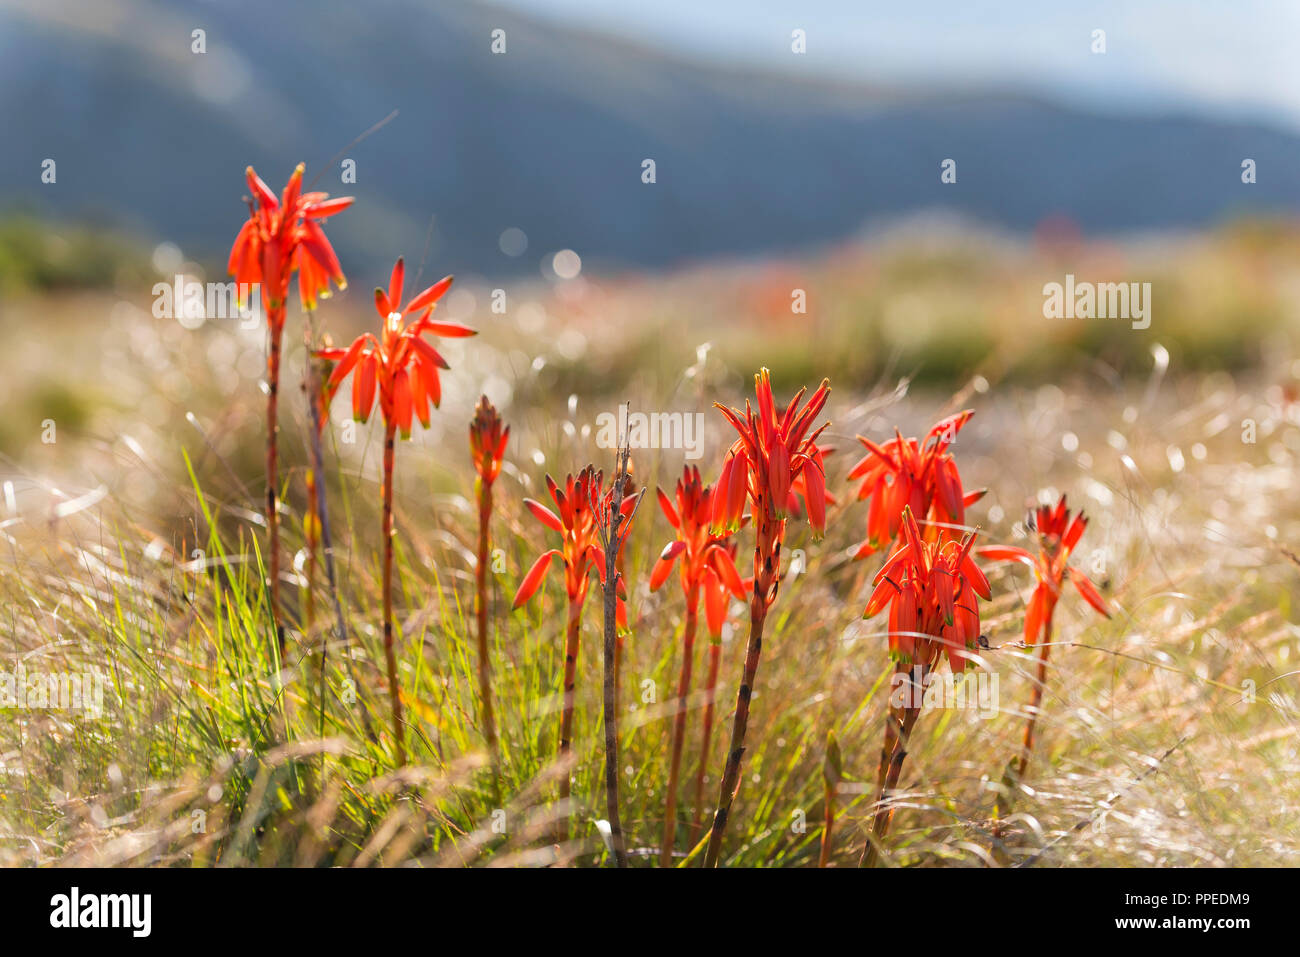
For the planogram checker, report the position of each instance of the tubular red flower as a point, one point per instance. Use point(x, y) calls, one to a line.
point(1057, 532)
point(773, 458)
point(533, 579)
point(700, 549)
point(919, 474)
point(282, 235)
point(399, 364)
point(932, 589)
point(579, 503)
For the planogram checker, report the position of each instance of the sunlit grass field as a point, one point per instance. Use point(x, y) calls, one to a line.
point(133, 545)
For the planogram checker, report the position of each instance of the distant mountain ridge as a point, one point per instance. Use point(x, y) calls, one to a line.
point(550, 137)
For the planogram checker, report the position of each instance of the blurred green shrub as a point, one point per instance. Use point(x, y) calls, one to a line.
point(49, 257)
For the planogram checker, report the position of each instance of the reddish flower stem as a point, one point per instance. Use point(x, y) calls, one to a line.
point(892, 721)
point(480, 608)
point(618, 667)
point(275, 322)
point(572, 637)
point(390, 656)
point(710, 686)
point(1036, 699)
point(767, 557)
point(885, 813)
point(679, 725)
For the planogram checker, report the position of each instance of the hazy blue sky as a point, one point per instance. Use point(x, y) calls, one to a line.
point(1237, 58)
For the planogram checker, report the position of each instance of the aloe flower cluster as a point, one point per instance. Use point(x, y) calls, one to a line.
point(775, 459)
point(932, 590)
point(918, 474)
point(1057, 532)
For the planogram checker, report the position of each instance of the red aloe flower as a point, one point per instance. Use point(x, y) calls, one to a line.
point(921, 475)
point(1058, 532)
point(701, 554)
point(400, 364)
point(404, 368)
point(932, 589)
point(769, 463)
point(581, 503)
point(487, 441)
point(281, 235)
point(762, 468)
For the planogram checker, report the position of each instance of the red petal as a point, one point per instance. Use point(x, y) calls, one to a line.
point(346, 363)
point(420, 391)
point(943, 589)
point(261, 191)
point(395, 282)
point(328, 208)
point(237, 247)
point(363, 387)
point(721, 494)
point(1074, 532)
point(912, 533)
point(402, 402)
point(293, 189)
point(715, 603)
point(945, 430)
point(429, 296)
point(315, 243)
point(534, 577)
point(1089, 591)
point(973, 574)
point(738, 490)
point(669, 512)
point(902, 554)
point(664, 566)
point(596, 556)
point(433, 382)
point(949, 488)
point(1036, 614)
point(766, 404)
point(544, 515)
point(883, 593)
point(814, 478)
point(726, 570)
point(1005, 553)
point(778, 475)
point(448, 330)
